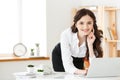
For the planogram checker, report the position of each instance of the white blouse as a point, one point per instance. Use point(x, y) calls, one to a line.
point(69, 47)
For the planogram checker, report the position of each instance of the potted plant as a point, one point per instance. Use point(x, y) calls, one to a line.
point(30, 68)
point(32, 52)
point(30, 65)
point(40, 71)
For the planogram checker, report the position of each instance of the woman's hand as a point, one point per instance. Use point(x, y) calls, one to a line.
point(91, 38)
point(81, 72)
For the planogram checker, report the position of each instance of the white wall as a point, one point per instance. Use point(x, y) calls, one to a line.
point(59, 16)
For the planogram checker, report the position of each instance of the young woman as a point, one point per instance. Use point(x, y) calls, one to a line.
point(80, 42)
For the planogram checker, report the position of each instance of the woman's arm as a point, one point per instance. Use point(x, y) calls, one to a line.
point(66, 55)
point(90, 40)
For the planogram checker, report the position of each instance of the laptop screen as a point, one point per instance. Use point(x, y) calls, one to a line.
point(104, 67)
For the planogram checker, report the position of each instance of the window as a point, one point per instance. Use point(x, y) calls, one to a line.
point(22, 21)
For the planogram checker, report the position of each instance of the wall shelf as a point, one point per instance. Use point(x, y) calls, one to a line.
point(112, 41)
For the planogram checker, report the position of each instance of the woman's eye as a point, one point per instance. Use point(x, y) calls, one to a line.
point(81, 23)
point(89, 22)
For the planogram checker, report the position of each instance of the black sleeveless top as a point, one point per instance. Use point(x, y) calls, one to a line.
point(57, 60)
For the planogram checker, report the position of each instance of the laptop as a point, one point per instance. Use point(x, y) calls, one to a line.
point(104, 67)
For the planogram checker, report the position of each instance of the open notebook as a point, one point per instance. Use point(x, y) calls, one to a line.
point(104, 67)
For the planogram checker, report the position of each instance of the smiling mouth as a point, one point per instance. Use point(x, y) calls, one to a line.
point(86, 30)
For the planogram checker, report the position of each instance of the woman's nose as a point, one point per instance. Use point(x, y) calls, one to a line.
point(85, 26)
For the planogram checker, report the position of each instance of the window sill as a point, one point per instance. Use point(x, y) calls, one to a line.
point(8, 57)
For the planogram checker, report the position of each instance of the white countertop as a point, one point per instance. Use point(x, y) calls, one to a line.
point(58, 76)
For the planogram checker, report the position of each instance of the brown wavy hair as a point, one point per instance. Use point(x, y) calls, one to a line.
point(98, 33)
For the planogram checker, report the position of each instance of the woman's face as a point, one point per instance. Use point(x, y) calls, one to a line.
point(84, 25)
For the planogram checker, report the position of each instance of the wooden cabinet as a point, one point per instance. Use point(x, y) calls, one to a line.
point(106, 21)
